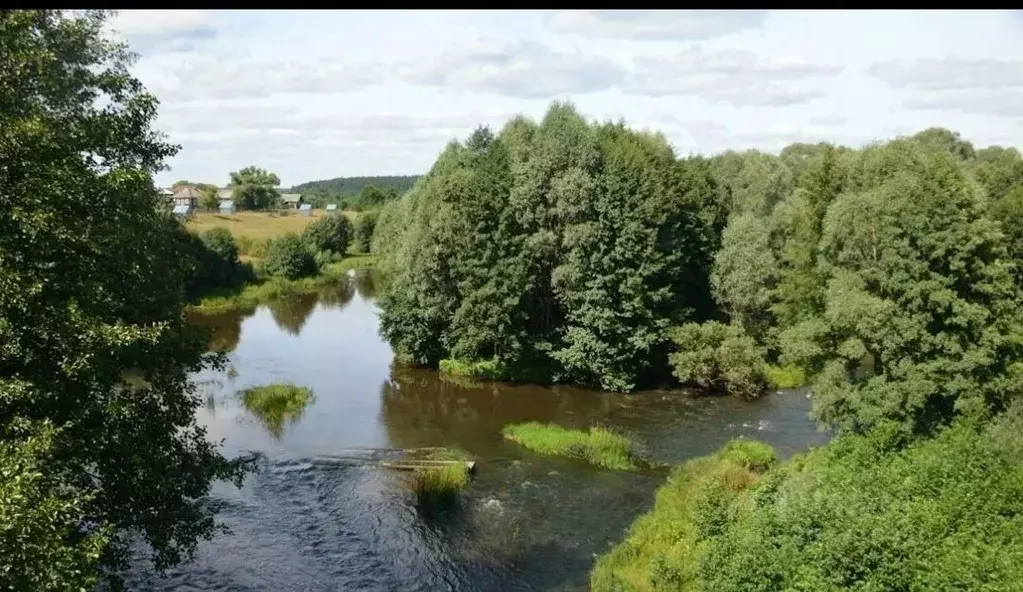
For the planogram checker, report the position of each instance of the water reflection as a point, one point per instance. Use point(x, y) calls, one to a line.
point(292, 312)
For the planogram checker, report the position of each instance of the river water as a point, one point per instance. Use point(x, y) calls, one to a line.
point(526, 522)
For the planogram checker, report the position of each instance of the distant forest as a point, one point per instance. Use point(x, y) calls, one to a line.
point(348, 189)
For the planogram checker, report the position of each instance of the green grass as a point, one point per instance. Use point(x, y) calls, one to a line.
point(276, 404)
point(251, 295)
point(662, 548)
point(785, 377)
point(438, 488)
point(598, 446)
point(477, 370)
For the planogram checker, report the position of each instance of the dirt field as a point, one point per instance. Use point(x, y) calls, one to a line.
point(257, 225)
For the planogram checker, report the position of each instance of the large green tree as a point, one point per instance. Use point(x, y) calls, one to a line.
point(255, 188)
point(91, 286)
point(564, 249)
point(920, 321)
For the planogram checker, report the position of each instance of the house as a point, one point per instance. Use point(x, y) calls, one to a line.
point(186, 196)
point(292, 200)
point(225, 193)
point(332, 208)
point(306, 209)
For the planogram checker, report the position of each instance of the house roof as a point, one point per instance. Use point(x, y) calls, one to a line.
point(166, 192)
point(187, 192)
point(331, 207)
point(181, 209)
point(305, 207)
point(291, 197)
point(225, 193)
point(225, 204)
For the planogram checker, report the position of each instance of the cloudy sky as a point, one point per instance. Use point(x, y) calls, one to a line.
point(322, 94)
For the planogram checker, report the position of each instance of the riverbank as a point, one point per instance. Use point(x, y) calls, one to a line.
point(251, 295)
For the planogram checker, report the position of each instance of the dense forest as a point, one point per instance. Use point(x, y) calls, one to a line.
point(355, 192)
point(886, 276)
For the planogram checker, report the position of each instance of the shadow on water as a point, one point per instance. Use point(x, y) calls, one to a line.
point(525, 522)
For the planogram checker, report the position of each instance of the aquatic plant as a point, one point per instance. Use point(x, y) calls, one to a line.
point(276, 404)
point(598, 446)
point(439, 487)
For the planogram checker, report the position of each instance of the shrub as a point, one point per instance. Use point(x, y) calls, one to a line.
point(599, 446)
point(785, 377)
point(289, 257)
point(714, 355)
point(220, 241)
point(365, 224)
point(329, 233)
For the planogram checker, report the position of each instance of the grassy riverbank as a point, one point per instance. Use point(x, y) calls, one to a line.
point(661, 550)
point(598, 446)
point(251, 295)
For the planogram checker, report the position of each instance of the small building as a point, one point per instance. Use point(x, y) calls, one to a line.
point(332, 208)
point(292, 200)
point(226, 207)
point(225, 193)
point(182, 212)
point(186, 196)
point(306, 209)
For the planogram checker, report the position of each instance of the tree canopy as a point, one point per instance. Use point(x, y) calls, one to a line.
point(91, 286)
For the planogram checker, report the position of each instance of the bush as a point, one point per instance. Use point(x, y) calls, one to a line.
point(289, 257)
point(220, 241)
point(365, 224)
point(785, 377)
point(329, 233)
point(714, 356)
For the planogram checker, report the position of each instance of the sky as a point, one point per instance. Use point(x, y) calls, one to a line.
point(321, 94)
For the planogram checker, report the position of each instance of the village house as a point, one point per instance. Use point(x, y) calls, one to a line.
point(186, 196)
point(292, 200)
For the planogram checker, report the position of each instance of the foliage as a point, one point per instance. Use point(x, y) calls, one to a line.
point(718, 356)
point(785, 377)
point(255, 188)
point(39, 516)
point(438, 488)
point(289, 257)
point(477, 370)
point(221, 242)
point(521, 248)
point(209, 200)
point(598, 446)
point(365, 224)
point(664, 547)
point(92, 284)
point(330, 234)
point(863, 514)
point(920, 320)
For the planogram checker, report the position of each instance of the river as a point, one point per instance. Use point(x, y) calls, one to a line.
point(527, 522)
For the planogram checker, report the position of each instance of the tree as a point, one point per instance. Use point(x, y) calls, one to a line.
point(91, 285)
point(209, 201)
point(289, 257)
point(329, 234)
point(364, 227)
point(255, 188)
point(920, 321)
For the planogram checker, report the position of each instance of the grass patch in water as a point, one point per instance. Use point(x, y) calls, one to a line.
point(439, 487)
point(598, 446)
point(251, 295)
point(274, 404)
point(662, 548)
point(785, 377)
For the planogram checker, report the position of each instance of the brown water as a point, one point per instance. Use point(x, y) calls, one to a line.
point(527, 522)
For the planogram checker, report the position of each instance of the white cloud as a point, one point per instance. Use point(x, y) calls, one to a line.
point(319, 94)
point(673, 25)
point(736, 77)
point(523, 69)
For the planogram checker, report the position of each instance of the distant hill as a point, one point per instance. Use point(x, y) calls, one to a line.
point(348, 187)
